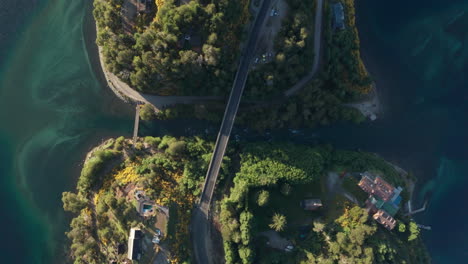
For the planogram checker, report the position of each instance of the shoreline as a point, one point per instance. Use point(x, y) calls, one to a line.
point(117, 88)
point(131, 96)
point(370, 108)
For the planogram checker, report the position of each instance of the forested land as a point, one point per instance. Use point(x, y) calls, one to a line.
point(188, 49)
point(268, 188)
point(342, 77)
point(169, 170)
point(293, 53)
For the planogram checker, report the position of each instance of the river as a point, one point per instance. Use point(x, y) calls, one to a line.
point(54, 106)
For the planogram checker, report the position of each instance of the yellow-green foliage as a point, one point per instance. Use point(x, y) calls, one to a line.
point(127, 175)
point(170, 177)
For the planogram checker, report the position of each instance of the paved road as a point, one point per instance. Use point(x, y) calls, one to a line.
point(231, 109)
point(200, 221)
point(317, 43)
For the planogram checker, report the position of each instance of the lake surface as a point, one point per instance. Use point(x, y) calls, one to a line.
point(54, 107)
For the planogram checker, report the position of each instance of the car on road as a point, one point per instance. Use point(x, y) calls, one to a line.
point(274, 12)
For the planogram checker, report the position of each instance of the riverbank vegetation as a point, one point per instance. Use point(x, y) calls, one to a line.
point(280, 231)
point(187, 49)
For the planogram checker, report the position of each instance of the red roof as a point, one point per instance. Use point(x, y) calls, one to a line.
point(378, 187)
point(385, 219)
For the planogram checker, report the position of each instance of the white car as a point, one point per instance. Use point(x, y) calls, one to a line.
point(156, 239)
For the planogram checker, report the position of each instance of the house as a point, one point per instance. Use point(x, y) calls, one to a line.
point(145, 206)
point(373, 204)
point(191, 40)
point(384, 219)
point(134, 244)
point(384, 199)
point(338, 16)
point(377, 186)
point(311, 204)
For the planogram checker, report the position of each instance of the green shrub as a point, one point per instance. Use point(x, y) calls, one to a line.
point(147, 112)
point(263, 197)
point(153, 141)
point(176, 148)
point(90, 173)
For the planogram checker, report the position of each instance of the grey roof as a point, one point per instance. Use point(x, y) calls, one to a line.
point(338, 14)
point(311, 204)
point(134, 244)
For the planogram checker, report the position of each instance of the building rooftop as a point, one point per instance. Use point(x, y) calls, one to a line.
point(134, 244)
point(338, 15)
point(385, 219)
point(311, 204)
point(378, 187)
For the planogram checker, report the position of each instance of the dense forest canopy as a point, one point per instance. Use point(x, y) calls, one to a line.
point(342, 77)
point(183, 49)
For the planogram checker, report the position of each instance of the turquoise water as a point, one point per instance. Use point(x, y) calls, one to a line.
point(54, 107)
point(52, 110)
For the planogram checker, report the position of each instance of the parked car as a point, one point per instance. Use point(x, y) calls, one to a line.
point(289, 248)
point(156, 239)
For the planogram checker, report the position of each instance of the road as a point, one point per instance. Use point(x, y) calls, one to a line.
point(200, 222)
point(317, 49)
point(231, 109)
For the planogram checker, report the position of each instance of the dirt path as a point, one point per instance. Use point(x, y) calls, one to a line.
point(334, 186)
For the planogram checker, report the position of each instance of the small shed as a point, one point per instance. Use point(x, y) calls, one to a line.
point(311, 204)
point(338, 16)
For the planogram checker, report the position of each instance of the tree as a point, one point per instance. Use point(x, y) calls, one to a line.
point(414, 231)
point(147, 112)
point(211, 54)
point(319, 226)
point(245, 226)
point(263, 197)
point(401, 227)
point(176, 148)
point(278, 222)
point(73, 202)
point(246, 255)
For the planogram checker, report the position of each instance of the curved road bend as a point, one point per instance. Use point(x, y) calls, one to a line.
point(317, 43)
point(200, 223)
